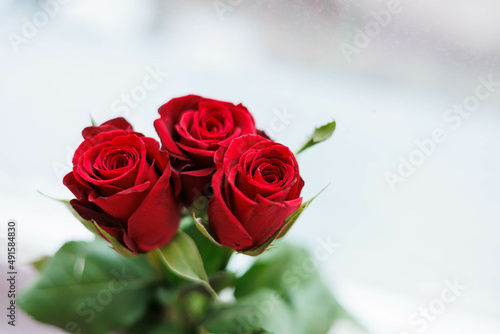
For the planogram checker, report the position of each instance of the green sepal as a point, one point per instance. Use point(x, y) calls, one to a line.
point(204, 229)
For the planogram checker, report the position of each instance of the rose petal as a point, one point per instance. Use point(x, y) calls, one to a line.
point(121, 205)
point(100, 138)
point(170, 114)
point(78, 189)
point(266, 217)
point(226, 228)
point(114, 124)
point(156, 220)
point(88, 211)
point(237, 148)
point(196, 183)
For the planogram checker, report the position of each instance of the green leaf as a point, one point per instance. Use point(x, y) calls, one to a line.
point(88, 288)
point(315, 308)
point(262, 312)
point(319, 135)
point(291, 272)
point(92, 120)
point(182, 257)
point(155, 327)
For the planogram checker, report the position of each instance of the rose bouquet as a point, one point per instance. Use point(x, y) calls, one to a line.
point(174, 213)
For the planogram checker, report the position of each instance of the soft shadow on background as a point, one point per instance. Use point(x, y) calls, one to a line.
point(413, 202)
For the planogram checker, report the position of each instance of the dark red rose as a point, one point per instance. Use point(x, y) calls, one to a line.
point(192, 129)
point(255, 188)
point(122, 181)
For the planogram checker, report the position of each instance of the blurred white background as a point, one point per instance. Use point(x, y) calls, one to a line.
point(388, 72)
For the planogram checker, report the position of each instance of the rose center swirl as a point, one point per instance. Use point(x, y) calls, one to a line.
point(114, 159)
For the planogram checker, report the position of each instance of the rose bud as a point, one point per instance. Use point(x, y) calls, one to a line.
point(192, 129)
point(256, 187)
point(122, 182)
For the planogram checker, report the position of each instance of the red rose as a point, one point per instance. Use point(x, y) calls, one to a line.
point(192, 129)
point(256, 187)
point(121, 180)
